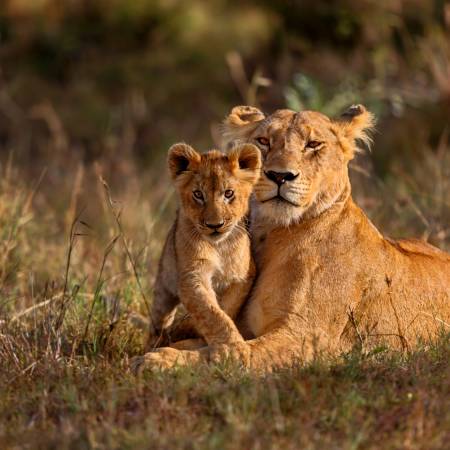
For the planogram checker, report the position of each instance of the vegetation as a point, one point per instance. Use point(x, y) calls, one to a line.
point(379, 401)
point(92, 93)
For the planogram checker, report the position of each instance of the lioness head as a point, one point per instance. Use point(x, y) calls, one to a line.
point(214, 188)
point(304, 154)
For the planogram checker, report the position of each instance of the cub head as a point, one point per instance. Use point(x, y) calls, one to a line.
point(213, 187)
point(304, 157)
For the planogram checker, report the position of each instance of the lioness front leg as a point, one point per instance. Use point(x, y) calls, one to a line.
point(281, 347)
point(199, 298)
point(274, 349)
point(189, 344)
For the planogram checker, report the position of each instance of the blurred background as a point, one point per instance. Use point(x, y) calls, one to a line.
point(102, 88)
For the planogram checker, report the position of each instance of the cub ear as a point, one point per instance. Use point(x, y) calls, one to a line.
point(239, 124)
point(245, 161)
point(355, 124)
point(182, 158)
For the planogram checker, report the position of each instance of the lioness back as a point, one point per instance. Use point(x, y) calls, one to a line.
point(206, 262)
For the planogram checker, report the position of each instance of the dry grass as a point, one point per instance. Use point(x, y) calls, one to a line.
point(383, 401)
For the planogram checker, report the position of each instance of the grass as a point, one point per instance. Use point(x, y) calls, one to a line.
point(92, 401)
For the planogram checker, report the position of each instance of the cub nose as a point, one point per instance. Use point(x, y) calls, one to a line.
point(215, 226)
point(280, 177)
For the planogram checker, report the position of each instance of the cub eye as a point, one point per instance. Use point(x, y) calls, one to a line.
point(229, 193)
point(198, 195)
point(313, 144)
point(263, 141)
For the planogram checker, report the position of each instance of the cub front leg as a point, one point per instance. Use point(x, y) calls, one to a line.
point(234, 297)
point(199, 298)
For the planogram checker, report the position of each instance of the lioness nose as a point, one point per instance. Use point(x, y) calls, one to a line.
point(215, 226)
point(280, 177)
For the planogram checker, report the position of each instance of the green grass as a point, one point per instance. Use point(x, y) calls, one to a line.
point(93, 401)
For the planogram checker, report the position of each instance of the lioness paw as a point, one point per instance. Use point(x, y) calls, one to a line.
point(164, 358)
point(150, 361)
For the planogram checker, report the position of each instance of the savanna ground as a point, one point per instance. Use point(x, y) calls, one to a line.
point(93, 91)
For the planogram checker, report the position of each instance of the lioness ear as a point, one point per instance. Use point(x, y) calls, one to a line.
point(239, 124)
point(182, 157)
point(243, 115)
point(245, 161)
point(355, 124)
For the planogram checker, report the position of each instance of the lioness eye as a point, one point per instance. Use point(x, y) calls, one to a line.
point(263, 141)
point(313, 144)
point(198, 195)
point(229, 193)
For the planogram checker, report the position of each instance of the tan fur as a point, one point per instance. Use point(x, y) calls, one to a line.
point(327, 279)
point(209, 270)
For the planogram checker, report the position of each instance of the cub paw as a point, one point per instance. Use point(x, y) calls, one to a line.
point(238, 352)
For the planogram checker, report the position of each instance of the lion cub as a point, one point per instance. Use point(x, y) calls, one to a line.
point(206, 263)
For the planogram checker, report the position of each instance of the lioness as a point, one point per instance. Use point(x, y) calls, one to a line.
point(327, 279)
point(206, 262)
